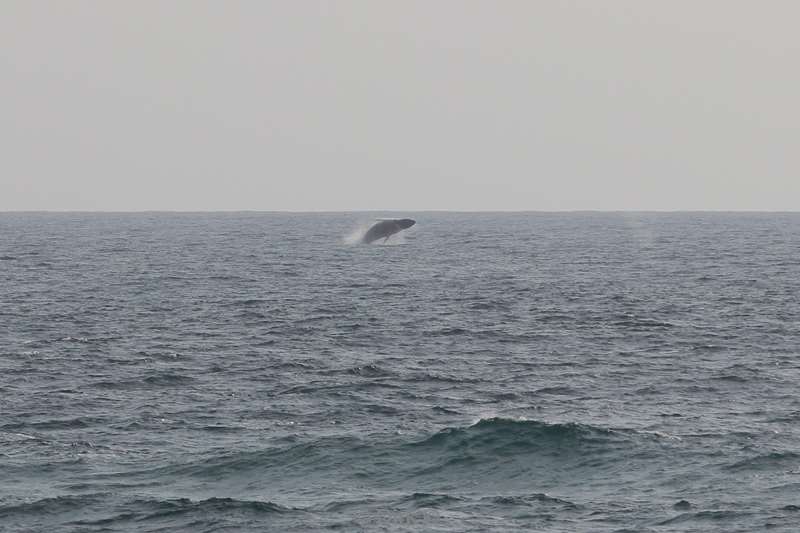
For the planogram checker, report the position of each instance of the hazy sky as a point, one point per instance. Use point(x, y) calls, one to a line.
point(304, 105)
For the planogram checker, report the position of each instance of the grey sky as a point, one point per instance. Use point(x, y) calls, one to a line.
point(301, 105)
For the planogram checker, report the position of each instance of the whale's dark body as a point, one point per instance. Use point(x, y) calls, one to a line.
point(386, 228)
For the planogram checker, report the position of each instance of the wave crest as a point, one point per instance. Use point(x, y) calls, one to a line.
point(495, 433)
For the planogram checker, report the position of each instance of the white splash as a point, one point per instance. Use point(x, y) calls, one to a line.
point(357, 235)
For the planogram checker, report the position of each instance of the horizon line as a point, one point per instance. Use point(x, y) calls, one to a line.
point(345, 211)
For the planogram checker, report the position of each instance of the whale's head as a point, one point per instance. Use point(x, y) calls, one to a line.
point(406, 223)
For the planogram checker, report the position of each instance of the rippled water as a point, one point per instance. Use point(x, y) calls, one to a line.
point(548, 372)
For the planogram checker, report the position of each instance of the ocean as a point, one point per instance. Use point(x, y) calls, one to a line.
point(554, 372)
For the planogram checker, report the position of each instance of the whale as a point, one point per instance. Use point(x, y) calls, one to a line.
point(386, 228)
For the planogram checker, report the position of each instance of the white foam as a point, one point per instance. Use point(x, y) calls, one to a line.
point(357, 235)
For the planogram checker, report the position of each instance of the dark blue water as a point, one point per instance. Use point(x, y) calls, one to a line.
point(485, 372)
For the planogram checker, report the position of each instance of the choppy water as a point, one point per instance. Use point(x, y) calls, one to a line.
point(492, 372)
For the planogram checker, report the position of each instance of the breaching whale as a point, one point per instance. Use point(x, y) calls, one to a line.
point(386, 228)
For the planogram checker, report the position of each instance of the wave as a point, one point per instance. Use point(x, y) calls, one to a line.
point(369, 371)
point(491, 432)
point(558, 390)
point(154, 379)
point(641, 324)
point(214, 505)
point(104, 509)
point(513, 453)
point(422, 500)
point(495, 448)
point(792, 416)
point(431, 377)
point(707, 516)
point(50, 505)
point(81, 422)
point(445, 500)
point(496, 462)
point(531, 499)
point(447, 332)
point(246, 302)
point(767, 461)
point(319, 386)
point(731, 378)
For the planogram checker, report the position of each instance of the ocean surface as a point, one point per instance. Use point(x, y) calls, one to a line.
point(480, 372)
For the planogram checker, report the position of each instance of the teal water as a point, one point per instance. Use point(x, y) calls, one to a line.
point(480, 372)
